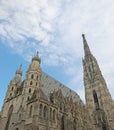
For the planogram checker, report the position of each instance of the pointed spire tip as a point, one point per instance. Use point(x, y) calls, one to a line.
point(37, 52)
point(86, 47)
point(83, 35)
point(20, 66)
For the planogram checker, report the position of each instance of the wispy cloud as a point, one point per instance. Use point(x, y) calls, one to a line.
point(54, 28)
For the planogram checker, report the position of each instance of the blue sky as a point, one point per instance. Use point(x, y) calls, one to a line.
point(54, 28)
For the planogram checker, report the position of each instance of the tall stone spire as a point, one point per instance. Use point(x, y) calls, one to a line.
point(98, 98)
point(86, 47)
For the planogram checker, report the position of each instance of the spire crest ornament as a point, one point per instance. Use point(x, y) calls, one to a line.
point(20, 68)
point(37, 53)
point(36, 57)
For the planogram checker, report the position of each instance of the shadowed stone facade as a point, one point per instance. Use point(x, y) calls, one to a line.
point(42, 103)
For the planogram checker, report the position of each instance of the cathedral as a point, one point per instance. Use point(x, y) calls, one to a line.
point(40, 102)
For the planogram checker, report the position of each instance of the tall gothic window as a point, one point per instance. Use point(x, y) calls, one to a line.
point(19, 118)
point(32, 76)
point(37, 77)
point(96, 100)
point(60, 106)
point(74, 124)
point(31, 83)
point(104, 126)
point(12, 88)
point(45, 112)
point(36, 83)
point(41, 110)
point(30, 111)
point(51, 97)
point(53, 114)
point(9, 117)
point(50, 113)
point(62, 123)
point(28, 98)
point(89, 69)
point(29, 90)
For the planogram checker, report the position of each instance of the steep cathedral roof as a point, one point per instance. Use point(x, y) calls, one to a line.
point(49, 84)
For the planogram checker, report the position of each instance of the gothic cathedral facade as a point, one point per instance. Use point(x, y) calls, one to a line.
point(42, 103)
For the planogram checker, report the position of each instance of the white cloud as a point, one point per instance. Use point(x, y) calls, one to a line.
point(54, 28)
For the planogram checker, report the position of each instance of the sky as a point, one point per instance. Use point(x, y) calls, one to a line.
point(54, 28)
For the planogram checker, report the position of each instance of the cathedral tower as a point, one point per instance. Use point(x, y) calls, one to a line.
point(98, 99)
point(12, 99)
point(33, 77)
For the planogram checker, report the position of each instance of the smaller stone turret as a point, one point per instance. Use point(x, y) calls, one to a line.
point(18, 74)
point(15, 83)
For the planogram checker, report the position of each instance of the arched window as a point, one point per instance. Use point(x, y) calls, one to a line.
point(51, 98)
point(30, 111)
point(104, 126)
point(20, 113)
point(36, 83)
point(37, 77)
point(12, 88)
point(89, 69)
point(32, 76)
point(61, 106)
point(30, 82)
point(64, 108)
point(62, 123)
point(74, 124)
point(45, 112)
point(41, 110)
point(29, 90)
point(53, 114)
point(10, 94)
point(96, 100)
point(28, 98)
point(50, 113)
point(19, 117)
point(9, 117)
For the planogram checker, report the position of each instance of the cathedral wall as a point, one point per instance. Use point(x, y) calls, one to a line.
point(16, 102)
point(67, 115)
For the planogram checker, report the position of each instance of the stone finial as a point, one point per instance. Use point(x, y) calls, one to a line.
point(83, 35)
point(19, 70)
point(36, 57)
point(20, 67)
